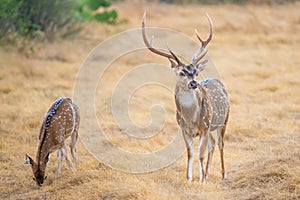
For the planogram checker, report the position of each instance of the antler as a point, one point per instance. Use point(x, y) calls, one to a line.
point(156, 51)
point(204, 43)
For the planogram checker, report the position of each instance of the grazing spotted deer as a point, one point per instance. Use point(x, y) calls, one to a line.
point(201, 107)
point(60, 122)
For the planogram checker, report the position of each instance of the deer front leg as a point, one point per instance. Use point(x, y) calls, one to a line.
point(202, 149)
point(211, 147)
point(190, 153)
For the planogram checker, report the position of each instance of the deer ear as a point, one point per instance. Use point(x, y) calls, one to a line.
point(29, 160)
point(47, 158)
point(201, 66)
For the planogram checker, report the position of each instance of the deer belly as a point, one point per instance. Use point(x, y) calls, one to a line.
point(69, 129)
point(219, 114)
point(60, 131)
point(220, 105)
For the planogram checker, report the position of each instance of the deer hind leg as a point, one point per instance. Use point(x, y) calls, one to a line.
point(69, 163)
point(190, 153)
point(59, 159)
point(211, 147)
point(202, 149)
point(221, 133)
point(73, 141)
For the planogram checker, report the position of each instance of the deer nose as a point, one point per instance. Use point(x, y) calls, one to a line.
point(193, 84)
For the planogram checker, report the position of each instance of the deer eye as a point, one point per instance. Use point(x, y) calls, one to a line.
point(181, 74)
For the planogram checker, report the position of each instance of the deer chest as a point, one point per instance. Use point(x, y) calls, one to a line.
point(189, 109)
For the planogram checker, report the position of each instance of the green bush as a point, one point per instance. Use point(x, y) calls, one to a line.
point(95, 4)
point(88, 11)
point(26, 17)
point(107, 16)
point(43, 18)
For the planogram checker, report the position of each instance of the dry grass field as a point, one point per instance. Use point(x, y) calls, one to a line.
point(256, 51)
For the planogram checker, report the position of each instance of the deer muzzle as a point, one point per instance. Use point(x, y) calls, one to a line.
point(193, 84)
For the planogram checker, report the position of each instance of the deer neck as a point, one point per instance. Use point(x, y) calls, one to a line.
point(42, 154)
point(187, 104)
point(186, 98)
point(44, 148)
point(46, 145)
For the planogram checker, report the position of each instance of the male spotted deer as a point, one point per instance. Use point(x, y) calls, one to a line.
point(202, 107)
point(60, 122)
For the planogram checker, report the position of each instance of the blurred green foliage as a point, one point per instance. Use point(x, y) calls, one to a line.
point(87, 10)
point(42, 18)
point(29, 17)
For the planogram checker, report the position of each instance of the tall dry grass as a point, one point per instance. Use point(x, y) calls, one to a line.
point(256, 51)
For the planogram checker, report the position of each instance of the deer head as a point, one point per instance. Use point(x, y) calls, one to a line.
point(38, 169)
point(186, 73)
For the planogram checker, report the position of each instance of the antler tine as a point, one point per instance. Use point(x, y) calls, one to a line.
point(149, 44)
point(205, 42)
point(199, 58)
point(174, 55)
